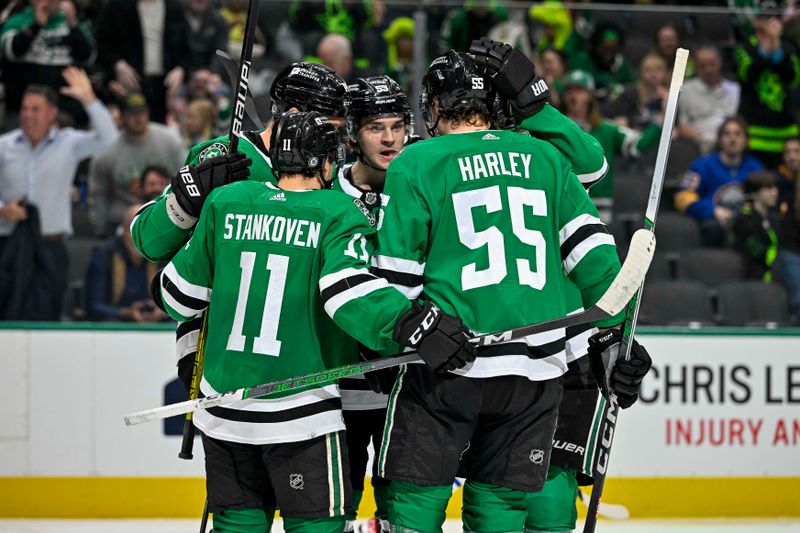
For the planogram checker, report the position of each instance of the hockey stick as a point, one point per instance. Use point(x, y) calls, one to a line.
point(237, 118)
point(229, 64)
point(608, 510)
point(187, 443)
point(616, 297)
point(611, 411)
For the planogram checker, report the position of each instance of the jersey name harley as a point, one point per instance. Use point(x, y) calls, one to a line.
point(271, 228)
point(488, 164)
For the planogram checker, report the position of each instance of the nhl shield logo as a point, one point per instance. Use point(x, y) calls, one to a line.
point(371, 199)
point(537, 457)
point(296, 481)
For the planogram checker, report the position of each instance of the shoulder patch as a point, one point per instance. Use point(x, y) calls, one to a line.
point(214, 150)
point(364, 211)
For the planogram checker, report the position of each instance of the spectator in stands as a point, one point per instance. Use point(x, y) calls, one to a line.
point(118, 280)
point(711, 190)
point(644, 101)
point(399, 37)
point(753, 231)
point(198, 124)
point(470, 22)
point(38, 164)
point(706, 100)
point(154, 179)
point(37, 44)
point(768, 71)
point(114, 175)
point(336, 52)
point(207, 33)
point(789, 252)
point(143, 45)
point(581, 106)
point(666, 43)
point(789, 172)
point(553, 68)
point(605, 62)
point(552, 23)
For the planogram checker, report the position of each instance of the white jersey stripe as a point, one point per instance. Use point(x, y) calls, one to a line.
point(586, 246)
point(330, 279)
point(179, 307)
point(594, 176)
point(186, 287)
point(362, 289)
point(398, 264)
point(575, 224)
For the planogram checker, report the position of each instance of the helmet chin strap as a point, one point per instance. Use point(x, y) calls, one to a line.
point(432, 129)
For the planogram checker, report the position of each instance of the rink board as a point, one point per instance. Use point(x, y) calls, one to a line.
point(717, 432)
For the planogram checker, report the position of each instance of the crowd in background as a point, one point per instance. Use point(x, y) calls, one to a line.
point(103, 98)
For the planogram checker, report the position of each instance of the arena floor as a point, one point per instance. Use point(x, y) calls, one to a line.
point(452, 526)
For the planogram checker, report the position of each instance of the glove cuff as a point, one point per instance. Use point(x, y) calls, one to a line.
point(177, 214)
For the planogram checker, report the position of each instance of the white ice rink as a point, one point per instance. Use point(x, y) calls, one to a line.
point(452, 526)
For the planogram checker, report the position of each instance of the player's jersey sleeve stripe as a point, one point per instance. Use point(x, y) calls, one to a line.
point(575, 224)
point(187, 288)
point(580, 235)
point(589, 179)
point(139, 212)
point(584, 247)
point(357, 291)
point(398, 278)
point(334, 278)
point(345, 284)
point(397, 264)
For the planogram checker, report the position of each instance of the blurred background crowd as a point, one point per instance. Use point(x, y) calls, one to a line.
point(101, 100)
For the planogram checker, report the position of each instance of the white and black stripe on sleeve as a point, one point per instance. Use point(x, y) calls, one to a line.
point(404, 274)
point(579, 236)
point(181, 295)
point(345, 285)
point(589, 179)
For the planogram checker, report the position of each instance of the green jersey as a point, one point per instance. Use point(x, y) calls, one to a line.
point(282, 273)
point(493, 227)
point(158, 231)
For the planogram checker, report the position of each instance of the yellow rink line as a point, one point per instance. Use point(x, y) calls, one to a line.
point(114, 497)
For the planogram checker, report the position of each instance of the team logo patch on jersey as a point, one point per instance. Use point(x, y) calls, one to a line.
point(537, 457)
point(296, 481)
point(215, 150)
point(490, 137)
point(364, 211)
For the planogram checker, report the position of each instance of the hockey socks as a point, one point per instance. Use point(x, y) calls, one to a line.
point(553, 508)
point(492, 509)
point(414, 508)
point(333, 524)
point(242, 521)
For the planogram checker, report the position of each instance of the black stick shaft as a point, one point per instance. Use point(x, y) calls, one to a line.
point(237, 118)
point(600, 466)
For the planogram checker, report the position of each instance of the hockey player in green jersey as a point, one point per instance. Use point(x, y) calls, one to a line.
point(554, 507)
point(488, 225)
point(284, 273)
point(379, 123)
point(162, 226)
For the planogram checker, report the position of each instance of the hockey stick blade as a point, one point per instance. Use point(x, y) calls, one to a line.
point(608, 510)
point(628, 280)
point(616, 298)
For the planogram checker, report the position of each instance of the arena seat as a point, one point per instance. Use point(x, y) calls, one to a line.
point(753, 303)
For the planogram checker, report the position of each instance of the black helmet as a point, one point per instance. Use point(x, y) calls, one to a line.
point(308, 87)
point(301, 142)
point(374, 97)
point(456, 81)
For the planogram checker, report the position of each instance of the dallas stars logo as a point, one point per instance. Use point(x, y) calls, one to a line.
point(215, 150)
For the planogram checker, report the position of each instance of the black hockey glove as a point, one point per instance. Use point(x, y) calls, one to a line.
point(512, 74)
point(193, 183)
point(613, 372)
point(441, 340)
point(380, 381)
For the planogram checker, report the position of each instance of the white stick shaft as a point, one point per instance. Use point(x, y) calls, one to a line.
point(678, 72)
point(182, 408)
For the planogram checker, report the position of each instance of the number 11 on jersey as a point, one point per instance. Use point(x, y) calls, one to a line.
point(267, 342)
